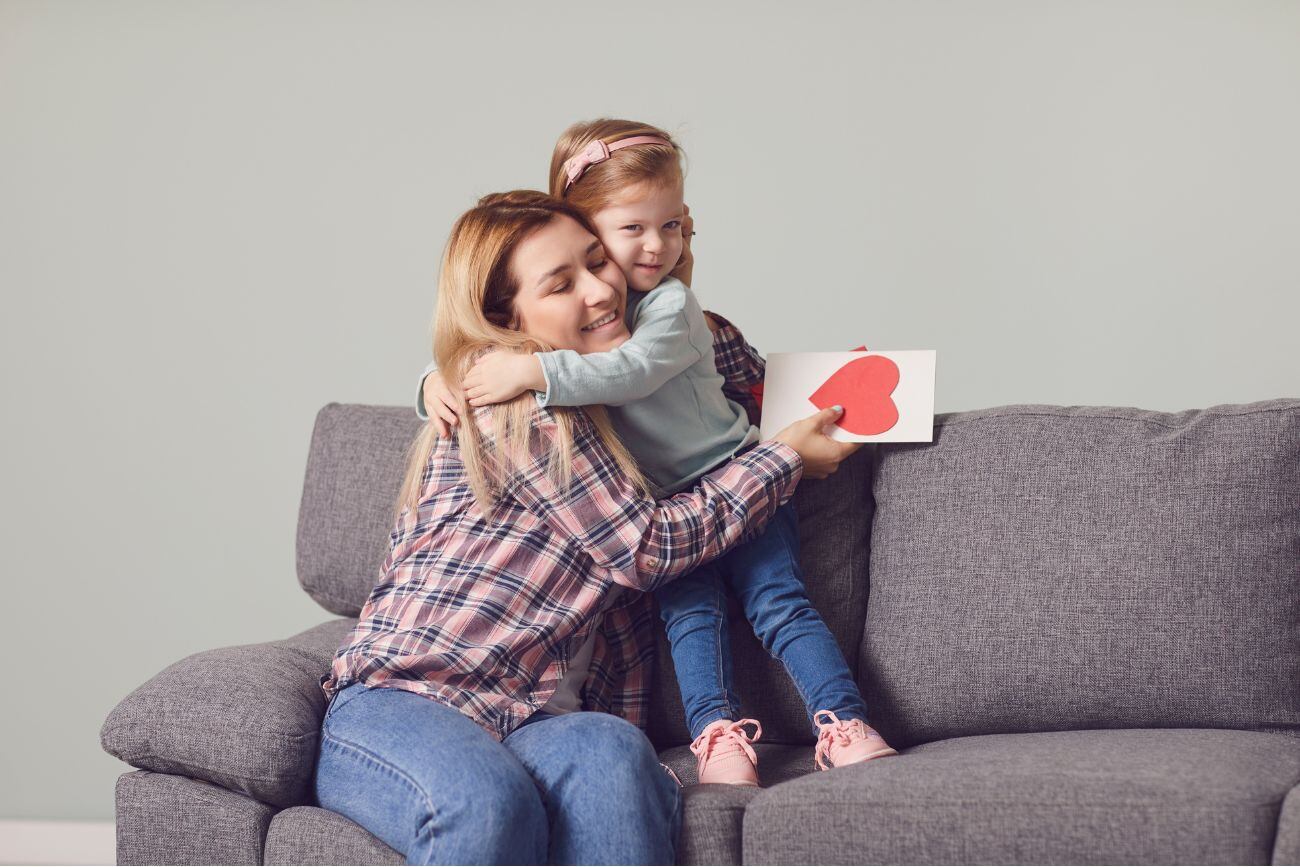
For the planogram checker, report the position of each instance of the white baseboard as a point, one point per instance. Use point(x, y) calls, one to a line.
point(24, 841)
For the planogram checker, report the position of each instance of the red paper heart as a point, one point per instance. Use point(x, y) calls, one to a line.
point(863, 387)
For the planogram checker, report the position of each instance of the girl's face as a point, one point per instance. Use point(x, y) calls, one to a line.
point(642, 231)
point(571, 294)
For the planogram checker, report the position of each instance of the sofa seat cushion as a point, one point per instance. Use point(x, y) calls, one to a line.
point(1124, 796)
point(311, 835)
point(1041, 568)
point(713, 816)
point(244, 718)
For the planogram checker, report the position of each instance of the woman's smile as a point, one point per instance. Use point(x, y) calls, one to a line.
point(603, 322)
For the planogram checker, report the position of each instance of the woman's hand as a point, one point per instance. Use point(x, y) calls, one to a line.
point(821, 454)
point(499, 376)
point(682, 270)
point(440, 404)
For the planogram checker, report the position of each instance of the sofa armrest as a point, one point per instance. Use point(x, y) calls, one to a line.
point(244, 718)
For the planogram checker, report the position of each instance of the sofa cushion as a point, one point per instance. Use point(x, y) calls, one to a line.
point(311, 835)
point(162, 819)
point(1177, 796)
point(354, 470)
point(1286, 848)
point(834, 541)
point(245, 718)
point(1042, 568)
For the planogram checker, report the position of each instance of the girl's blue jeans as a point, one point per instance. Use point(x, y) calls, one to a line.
point(764, 575)
point(578, 788)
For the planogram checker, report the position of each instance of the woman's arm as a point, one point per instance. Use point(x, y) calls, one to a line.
point(638, 541)
point(740, 365)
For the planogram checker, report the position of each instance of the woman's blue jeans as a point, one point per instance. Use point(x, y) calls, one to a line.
point(764, 575)
point(579, 788)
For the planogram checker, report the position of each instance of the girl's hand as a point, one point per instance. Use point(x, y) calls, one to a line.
point(500, 376)
point(821, 454)
point(440, 404)
point(682, 270)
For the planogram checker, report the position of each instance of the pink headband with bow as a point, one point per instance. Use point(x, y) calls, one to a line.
point(598, 152)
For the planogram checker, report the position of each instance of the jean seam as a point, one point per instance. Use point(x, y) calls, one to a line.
point(721, 604)
point(366, 755)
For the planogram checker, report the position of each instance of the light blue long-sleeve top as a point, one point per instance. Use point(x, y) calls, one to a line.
point(662, 389)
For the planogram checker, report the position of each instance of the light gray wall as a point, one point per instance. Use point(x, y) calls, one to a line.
point(216, 217)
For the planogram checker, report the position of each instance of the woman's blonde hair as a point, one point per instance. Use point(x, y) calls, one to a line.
point(476, 312)
point(658, 165)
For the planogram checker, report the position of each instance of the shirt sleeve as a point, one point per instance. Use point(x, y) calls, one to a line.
point(741, 367)
point(638, 541)
point(420, 409)
point(659, 349)
point(739, 363)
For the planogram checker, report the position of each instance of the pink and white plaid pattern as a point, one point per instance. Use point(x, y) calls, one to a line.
point(482, 612)
point(740, 365)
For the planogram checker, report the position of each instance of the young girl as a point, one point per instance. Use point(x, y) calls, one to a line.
point(666, 401)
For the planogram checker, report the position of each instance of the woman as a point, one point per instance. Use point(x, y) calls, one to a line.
point(486, 707)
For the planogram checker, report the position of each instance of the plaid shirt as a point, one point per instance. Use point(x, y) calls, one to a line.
point(482, 612)
point(740, 365)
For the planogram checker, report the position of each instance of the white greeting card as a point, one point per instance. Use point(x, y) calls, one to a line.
point(887, 396)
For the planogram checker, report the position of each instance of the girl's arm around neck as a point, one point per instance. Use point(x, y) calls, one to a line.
point(659, 349)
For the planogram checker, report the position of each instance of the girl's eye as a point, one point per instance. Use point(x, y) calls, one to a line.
point(632, 227)
point(672, 224)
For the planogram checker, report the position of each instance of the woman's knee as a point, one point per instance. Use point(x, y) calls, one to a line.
point(499, 806)
point(614, 745)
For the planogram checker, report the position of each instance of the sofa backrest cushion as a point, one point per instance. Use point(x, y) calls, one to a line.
point(354, 470)
point(1045, 568)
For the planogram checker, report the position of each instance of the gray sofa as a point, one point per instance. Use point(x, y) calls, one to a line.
point(1083, 633)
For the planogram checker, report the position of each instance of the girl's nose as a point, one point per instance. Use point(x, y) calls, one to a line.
point(653, 243)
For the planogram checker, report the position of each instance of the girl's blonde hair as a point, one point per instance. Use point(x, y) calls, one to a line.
point(476, 312)
point(659, 165)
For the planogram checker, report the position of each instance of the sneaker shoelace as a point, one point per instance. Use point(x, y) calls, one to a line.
point(835, 732)
point(726, 739)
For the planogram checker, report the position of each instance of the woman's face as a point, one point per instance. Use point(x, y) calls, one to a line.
point(571, 294)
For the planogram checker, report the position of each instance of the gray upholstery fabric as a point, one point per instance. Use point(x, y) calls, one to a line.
point(354, 471)
point(246, 718)
point(162, 819)
point(712, 819)
point(1044, 568)
point(310, 835)
point(712, 815)
point(1176, 796)
point(1286, 848)
point(834, 540)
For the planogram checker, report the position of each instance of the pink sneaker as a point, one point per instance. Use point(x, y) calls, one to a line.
point(847, 742)
point(725, 755)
